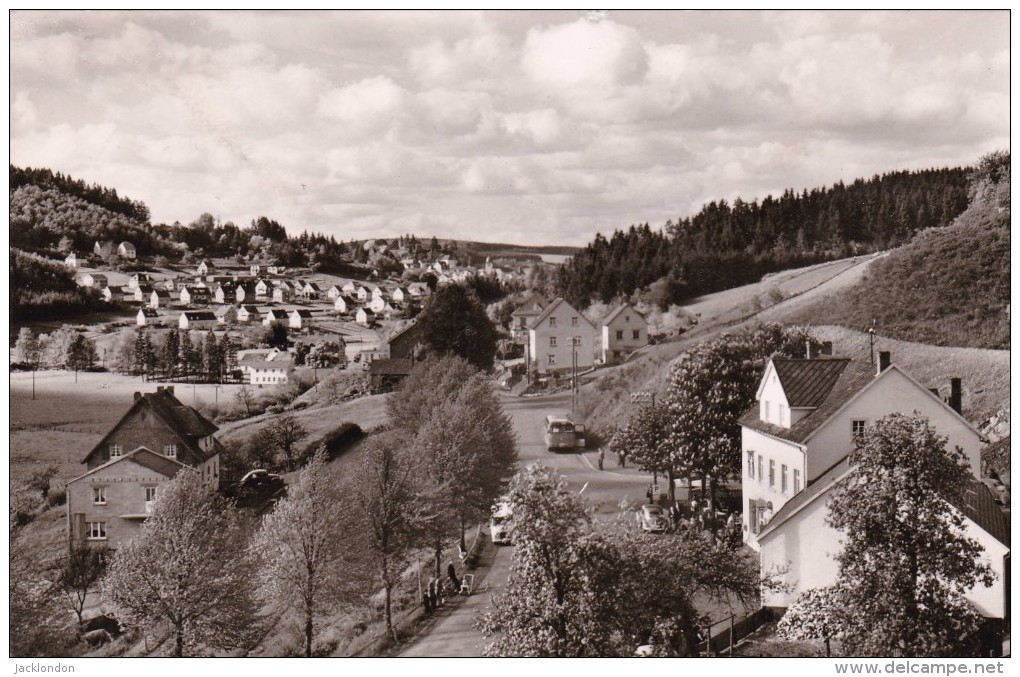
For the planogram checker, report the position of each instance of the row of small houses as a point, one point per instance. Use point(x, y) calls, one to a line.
point(348, 298)
point(294, 318)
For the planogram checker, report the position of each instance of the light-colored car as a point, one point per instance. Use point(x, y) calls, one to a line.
point(652, 519)
point(499, 525)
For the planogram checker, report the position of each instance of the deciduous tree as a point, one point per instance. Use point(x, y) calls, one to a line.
point(301, 547)
point(186, 571)
point(388, 511)
point(80, 575)
point(906, 562)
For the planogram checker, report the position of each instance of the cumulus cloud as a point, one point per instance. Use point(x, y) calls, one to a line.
point(542, 127)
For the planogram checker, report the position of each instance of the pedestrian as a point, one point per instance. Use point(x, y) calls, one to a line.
point(602, 457)
point(426, 602)
point(648, 494)
point(434, 592)
point(622, 459)
point(451, 571)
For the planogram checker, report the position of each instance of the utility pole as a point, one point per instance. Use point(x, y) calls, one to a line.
point(871, 336)
point(573, 381)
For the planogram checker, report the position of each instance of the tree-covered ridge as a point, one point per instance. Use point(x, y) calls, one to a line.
point(40, 283)
point(726, 245)
point(92, 193)
point(45, 219)
point(947, 287)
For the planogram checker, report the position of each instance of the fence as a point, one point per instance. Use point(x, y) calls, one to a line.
point(723, 635)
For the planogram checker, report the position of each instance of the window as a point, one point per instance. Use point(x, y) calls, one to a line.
point(750, 464)
point(772, 474)
point(552, 341)
point(573, 322)
point(170, 450)
point(782, 413)
point(115, 450)
point(552, 321)
point(552, 359)
point(761, 475)
point(858, 426)
point(782, 479)
point(767, 415)
point(619, 334)
point(796, 481)
point(637, 334)
point(99, 495)
point(626, 318)
point(150, 494)
point(96, 531)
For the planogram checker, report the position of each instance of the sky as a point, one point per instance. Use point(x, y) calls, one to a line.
point(524, 127)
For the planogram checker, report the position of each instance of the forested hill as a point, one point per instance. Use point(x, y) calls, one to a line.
point(726, 245)
point(947, 287)
point(100, 196)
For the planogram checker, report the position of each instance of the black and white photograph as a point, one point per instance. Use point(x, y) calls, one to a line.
point(466, 334)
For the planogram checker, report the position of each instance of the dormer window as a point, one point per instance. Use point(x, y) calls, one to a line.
point(170, 450)
point(116, 450)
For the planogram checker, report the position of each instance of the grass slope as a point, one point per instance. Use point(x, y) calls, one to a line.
point(948, 287)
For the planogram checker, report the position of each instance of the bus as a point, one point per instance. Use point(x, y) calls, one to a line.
point(562, 433)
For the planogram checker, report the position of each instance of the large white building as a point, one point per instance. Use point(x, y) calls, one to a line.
point(795, 444)
point(558, 336)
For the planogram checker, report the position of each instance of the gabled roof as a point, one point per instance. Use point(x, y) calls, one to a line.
point(552, 309)
point(851, 379)
point(976, 503)
point(199, 315)
point(616, 313)
point(406, 330)
point(164, 465)
point(531, 307)
point(807, 383)
point(250, 309)
point(183, 420)
point(148, 312)
point(302, 312)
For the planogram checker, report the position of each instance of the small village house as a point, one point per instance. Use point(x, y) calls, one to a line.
point(623, 332)
point(147, 317)
point(301, 318)
point(157, 438)
point(560, 339)
point(126, 250)
point(197, 319)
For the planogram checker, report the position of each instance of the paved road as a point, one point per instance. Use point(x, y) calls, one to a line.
point(451, 632)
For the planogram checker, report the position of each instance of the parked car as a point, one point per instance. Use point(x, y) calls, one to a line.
point(499, 525)
point(652, 519)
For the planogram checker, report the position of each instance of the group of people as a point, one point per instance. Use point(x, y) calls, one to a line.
point(434, 594)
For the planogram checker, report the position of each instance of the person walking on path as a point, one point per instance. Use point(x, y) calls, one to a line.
point(621, 459)
point(602, 457)
point(451, 571)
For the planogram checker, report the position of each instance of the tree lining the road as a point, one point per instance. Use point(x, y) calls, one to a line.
point(577, 590)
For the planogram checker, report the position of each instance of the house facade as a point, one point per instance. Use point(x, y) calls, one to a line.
point(146, 317)
point(265, 367)
point(126, 250)
point(159, 298)
point(73, 260)
point(623, 332)
point(558, 336)
point(807, 413)
point(300, 318)
point(157, 438)
point(365, 317)
point(246, 314)
point(197, 319)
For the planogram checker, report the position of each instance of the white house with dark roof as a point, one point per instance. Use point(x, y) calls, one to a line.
point(623, 332)
point(159, 298)
point(197, 319)
point(558, 336)
point(146, 316)
point(344, 304)
point(274, 315)
point(365, 317)
point(265, 367)
point(246, 314)
point(74, 259)
point(301, 318)
point(807, 413)
point(126, 250)
point(92, 280)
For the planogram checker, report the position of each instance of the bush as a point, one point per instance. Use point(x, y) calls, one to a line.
point(341, 438)
point(57, 496)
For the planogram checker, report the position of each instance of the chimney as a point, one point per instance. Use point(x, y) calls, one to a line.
point(956, 395)
point(808, 354)
point(884, 360)
point(159, 389)
point(934, 391)
point(826, 348)
point(138, 395)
